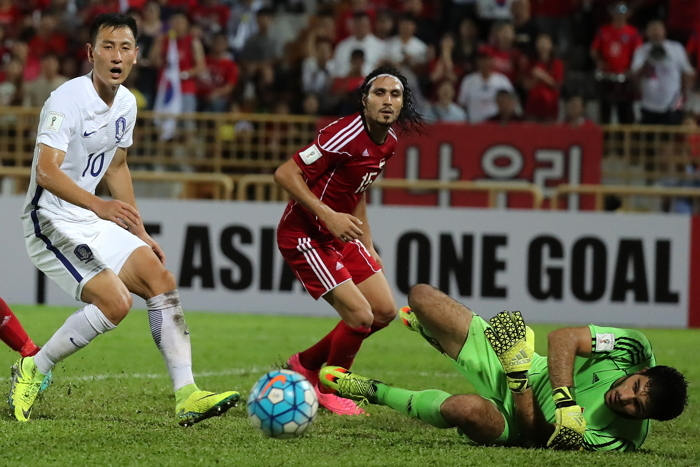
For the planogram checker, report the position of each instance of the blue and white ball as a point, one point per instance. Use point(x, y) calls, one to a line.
point(282, 404)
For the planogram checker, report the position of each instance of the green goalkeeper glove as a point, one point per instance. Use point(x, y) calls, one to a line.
point(570, 425)
point(514, 344)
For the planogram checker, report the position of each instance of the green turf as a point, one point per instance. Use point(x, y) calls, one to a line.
point(111, 404)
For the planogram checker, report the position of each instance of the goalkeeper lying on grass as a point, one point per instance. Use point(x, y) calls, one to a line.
point(602, 400)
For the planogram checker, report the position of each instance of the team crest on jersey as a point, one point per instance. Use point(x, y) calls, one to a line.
point(84, 253)
point(120, 128)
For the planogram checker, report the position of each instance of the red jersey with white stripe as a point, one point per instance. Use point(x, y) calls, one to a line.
point(338, 167)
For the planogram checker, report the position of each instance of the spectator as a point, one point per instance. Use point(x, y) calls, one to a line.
point(682, 19)
point(317, 69)
point(443, 68)
point(554, 17)
point(693, 51)
point(405, 48)
point(543, 82)
point(612, 51)
point(30, 63)
point(261, 52)
point(507, 59)
point(150, 27)
point(310, 105)
point(344, 90)
point(507, 104)
point(681, 175)
point(242, 23)
point(490, 12)
point(445, 109)
point(575, 112)
point(37, 91)
point(12, 84)
point(10, 17)
point(425, 26)
point(384, 28)
point(466, 45)
point(526, 31)
point(455, 11)
point(478, 90)
point(215, 85)
point(191, 54)
point(48, 38)
point(344, 26)
point(664, 73)
point(362, 39)
point(211, 16)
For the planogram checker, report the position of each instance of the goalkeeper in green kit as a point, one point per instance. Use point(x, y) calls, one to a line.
point(597, 389)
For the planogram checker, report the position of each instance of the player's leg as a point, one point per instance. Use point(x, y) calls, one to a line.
point(144, 275)
point(60, 250)
point(319, 269)
point(442, 318)
point(475, 416)
point(110, 303)
point(13, 334)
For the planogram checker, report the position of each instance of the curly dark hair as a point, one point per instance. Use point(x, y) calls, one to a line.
point(410, 120)
point(668, 392)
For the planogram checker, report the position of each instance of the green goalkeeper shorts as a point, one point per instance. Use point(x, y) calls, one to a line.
point(479, 364)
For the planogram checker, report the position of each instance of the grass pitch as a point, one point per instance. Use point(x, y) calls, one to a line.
point(112, 404)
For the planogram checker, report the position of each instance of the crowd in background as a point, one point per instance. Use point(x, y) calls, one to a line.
point(467, 60)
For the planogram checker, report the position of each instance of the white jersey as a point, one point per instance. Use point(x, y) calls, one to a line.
point(76, 120)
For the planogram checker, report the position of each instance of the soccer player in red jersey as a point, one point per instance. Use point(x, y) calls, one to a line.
point(324, 234)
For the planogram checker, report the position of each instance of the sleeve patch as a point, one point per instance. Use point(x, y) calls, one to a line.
point(604, 342)
point(310, 155)
point(54, 121)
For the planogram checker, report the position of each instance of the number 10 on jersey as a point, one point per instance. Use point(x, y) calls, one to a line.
point(92, 164)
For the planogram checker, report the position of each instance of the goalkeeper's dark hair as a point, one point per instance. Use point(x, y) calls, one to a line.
point(410, 120)
point(668, 392)
point(112, 21)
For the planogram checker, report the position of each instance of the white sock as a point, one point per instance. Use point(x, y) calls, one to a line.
point(172, 336)
point(79, 329)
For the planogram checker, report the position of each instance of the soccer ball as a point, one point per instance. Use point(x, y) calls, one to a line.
point(282, 404)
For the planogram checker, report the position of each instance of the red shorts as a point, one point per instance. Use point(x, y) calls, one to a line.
point(321, 267)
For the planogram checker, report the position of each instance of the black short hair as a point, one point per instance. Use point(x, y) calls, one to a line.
point(357, 53)
point(113, 21)
point(410, 120)
point(668, 392)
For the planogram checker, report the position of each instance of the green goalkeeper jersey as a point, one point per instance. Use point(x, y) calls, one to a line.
point(615, 353)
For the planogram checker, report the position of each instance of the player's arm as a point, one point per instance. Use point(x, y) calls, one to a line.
point(564, 345)
point(366, 238)
point(51, 178)
point(118, 180)
point(290, 177)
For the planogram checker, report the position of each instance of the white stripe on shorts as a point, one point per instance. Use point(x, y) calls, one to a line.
point(317, 266)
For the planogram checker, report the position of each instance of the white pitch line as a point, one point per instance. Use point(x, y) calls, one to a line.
point(229, 372)
point(202, 374)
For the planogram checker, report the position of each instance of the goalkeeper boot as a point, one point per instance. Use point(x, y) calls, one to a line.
point(410, 320)
point(25, 386)
point(347, 384)
point(294, 364)
point(201, 405)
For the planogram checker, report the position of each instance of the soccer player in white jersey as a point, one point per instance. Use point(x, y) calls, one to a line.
point(98, 250)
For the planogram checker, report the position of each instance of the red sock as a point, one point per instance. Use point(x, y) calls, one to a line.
point(377, 326)
point(315, 356)
point(13, 334)
point(346, 343)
